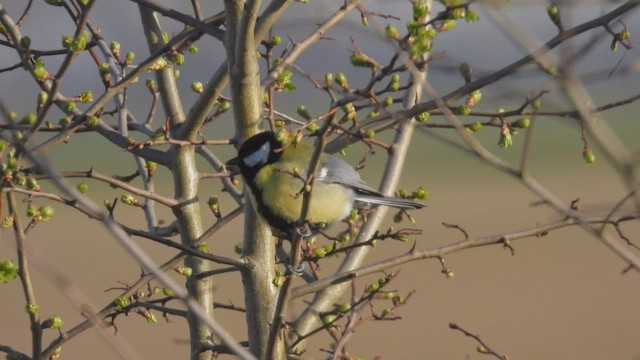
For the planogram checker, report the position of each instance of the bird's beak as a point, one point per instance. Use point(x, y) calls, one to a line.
point(233, 165)
point(232, 162)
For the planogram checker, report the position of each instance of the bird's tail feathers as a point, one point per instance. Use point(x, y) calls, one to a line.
point(389, 201)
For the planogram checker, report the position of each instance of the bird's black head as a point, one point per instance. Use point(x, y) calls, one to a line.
point(257, 151)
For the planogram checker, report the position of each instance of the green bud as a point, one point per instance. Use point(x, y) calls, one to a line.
point(224, 107)
point(320, 252)
point(159, 64)
point(275, 40)
point(369, 134)
point(40, 72)
point(505, 140)
point(151, 318)
point(152, 86)
point(7, 222)
point(421, 193)
point(344, 308)
point(20, 180)
point(32, 210)
point(32, 183)
point(151, 167)
point(278, 279)
point(25, 42)
point(130, 57)
point(397, 218)
point(203, 248)
point(193, 49)
point(474, 98)
point(53, 322)
point(104, 70)
point(302, 111)
point(83, 187)
point(313, 127)
point(177, 59)
point(463, 110)
point(420, 10)
point(43, 96)
point(328, 78)
point(69, 106)
point(281, 136)
point(353, 215)
point(168, 292)
point(554, 13)
point(457, 13)
point(471, 16)
point(46, 212)
point(128, 199)
point(86, 97)
point(341, 79)
point(186, 271)
point(448, 25)
point(92, 121)
point(213, 203)
point(328, 319)
point(423, 117)
point(80, 43)
point(373, 287)
point(32, 308)
point(115, 49)
point(588, 156)
point(29, 119)
point(391, 31)
point(122, 302)
point(237, 248)
point(197, 87)
point(388, 101)
point(364, 20)
point(523, 123)
point(8, 271)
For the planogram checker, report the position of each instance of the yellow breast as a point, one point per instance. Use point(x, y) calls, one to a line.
point(281, 190)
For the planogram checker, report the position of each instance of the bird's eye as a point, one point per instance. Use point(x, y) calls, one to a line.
point(258, 157)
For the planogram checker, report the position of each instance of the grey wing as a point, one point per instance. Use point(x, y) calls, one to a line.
point(338, 171)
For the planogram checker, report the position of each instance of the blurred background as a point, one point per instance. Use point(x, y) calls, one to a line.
point(561, 296)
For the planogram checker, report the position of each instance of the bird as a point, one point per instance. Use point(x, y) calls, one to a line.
point(275, 173)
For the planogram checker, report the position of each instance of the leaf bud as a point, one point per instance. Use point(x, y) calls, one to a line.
point(423, 117)
point(523, 123)
point(83, 187)
point(122, 302)
point(588, 156)
point(197, 87)
point(53, 322)
point(302, 111)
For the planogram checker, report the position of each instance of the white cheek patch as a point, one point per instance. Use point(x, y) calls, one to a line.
point(322, 172)
point(259, 157)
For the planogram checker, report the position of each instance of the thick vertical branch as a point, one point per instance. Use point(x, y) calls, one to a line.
point(258, 244)
point(185, 178)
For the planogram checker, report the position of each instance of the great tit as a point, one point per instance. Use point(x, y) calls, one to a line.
point(275, 174)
